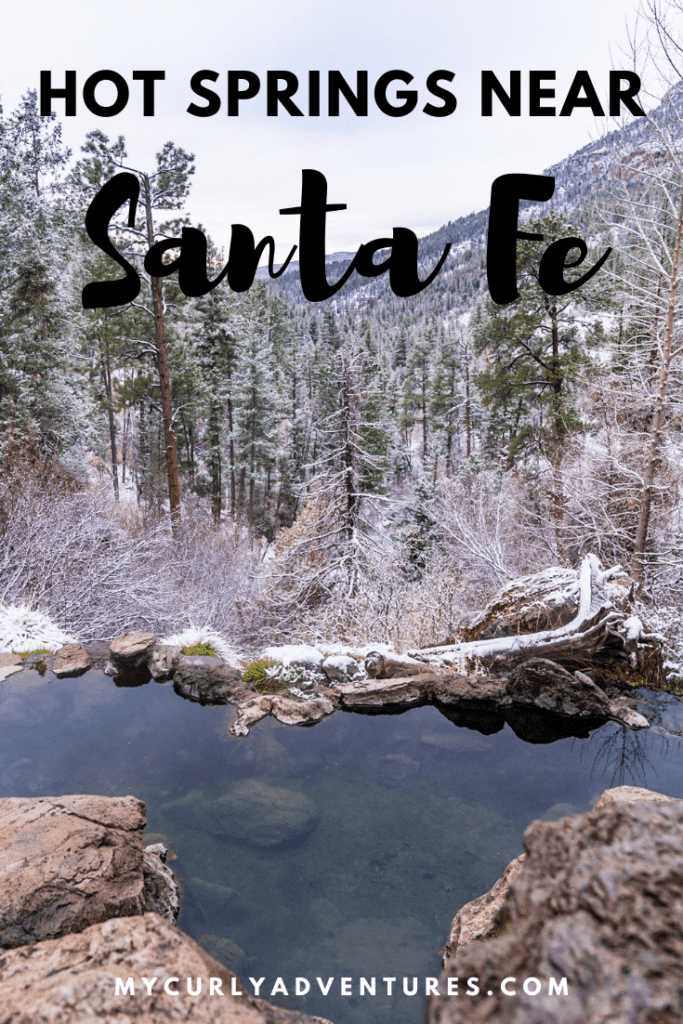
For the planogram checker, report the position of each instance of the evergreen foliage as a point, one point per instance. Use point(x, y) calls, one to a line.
point(367, 463)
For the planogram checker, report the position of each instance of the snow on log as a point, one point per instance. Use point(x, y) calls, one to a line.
point(589, 625)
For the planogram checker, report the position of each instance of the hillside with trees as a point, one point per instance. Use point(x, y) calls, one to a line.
point(368, 466)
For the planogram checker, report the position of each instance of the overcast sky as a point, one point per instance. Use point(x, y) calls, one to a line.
point(416, 171)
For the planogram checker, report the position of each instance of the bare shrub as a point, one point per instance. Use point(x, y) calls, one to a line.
point(476, 538)
point(99, 568)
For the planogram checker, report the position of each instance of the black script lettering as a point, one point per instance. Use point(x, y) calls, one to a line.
point(553, 263)
point(244, 255)
point(103, 294)
point(401, 264)
point(501, 251)
point(240, 269)
point(313, 212)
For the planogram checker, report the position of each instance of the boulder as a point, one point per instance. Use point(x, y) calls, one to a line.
point(550, 687)
point(9, 664)
point(71, 660)
point(623, 711)
point(251, 813)
point(250, 712)
point(7, 659)
point(68, 862)
point(631, 795)
point(477, 919)
point(163, 661)
point(208, 680)
point(128, 658)
point(548, 599)
point(539, 699)
point(377, 693)
point(160, 887)
point(74, 979)
point(341, 668)
point(598, 901)
point(576, 618)
point(385, 666)
point(290, 711)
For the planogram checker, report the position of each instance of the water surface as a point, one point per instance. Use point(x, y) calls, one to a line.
point(415, 816)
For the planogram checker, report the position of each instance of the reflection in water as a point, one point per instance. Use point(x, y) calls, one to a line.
point(343, 850)
point(631, 757)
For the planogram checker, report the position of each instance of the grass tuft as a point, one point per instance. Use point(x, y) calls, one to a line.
point(256, 673)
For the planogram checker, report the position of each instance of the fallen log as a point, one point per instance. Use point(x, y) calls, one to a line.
point(604, 637)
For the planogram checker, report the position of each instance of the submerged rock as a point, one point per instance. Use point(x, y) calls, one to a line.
point(597, 901)
point(225, 951)
point(68, 862)
point(252, 813)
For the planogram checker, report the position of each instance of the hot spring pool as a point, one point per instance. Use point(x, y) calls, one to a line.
point(403, 819)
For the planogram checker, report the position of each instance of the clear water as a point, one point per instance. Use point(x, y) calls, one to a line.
point(416, 816)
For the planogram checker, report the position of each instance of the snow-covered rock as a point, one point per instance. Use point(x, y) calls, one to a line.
point(295, 654)
point(343, 669)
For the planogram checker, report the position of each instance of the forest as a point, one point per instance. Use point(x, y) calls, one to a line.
point(367, 467)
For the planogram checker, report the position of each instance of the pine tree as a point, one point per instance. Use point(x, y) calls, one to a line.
point(216, 321)
point(417, 386)
point(256, 413)
point(341, 513)
point(163, 190)
point(445, 401)
point(534, 360)
point(43, 374)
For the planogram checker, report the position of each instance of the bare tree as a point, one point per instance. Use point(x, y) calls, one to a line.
point(645, 212)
